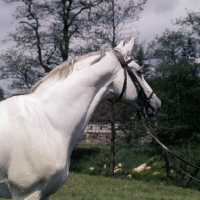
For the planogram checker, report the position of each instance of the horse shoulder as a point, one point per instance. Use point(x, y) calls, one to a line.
point(28, 153)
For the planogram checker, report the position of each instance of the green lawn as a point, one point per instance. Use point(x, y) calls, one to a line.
point(84, 184)
point(85, 187)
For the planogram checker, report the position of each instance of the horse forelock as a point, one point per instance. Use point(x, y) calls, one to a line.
point(63, 70)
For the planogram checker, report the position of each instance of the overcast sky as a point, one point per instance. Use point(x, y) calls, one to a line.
point(158, 14)
point(156, 17)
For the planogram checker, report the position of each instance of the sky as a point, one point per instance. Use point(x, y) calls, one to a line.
point(6, 23)
point(159, 14)
point(155, 18)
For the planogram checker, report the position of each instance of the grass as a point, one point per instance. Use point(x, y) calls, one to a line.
point(86, 184)
point(87, 155)
point(86, 187)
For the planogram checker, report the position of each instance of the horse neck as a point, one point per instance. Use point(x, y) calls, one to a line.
point(69, 103)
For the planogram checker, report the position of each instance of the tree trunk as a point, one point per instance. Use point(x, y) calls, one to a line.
point(166, 165)
point(112, 141)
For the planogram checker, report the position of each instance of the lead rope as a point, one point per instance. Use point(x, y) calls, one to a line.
point(169, 152)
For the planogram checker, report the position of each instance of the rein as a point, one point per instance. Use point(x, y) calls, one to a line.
point(168, 151)
point(145, 100)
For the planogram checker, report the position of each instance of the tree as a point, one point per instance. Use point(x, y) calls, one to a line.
point(112, 24)
point(44, 35)
point(48, 32)
point(177, 80)
point(23, 69)
point(141, 57)
point(190, 24)
point(1, 94)
point(120, 130)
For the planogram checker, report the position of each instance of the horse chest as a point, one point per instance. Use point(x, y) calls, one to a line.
point(48, 176)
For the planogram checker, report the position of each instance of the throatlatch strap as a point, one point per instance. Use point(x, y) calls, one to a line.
point(124, 65)
point(123, 89)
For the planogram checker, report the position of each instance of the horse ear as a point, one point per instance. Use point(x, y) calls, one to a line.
point(127, 48)
point(120, 45)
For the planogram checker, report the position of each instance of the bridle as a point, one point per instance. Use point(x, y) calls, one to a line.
point(145, 104)
point(144, 99)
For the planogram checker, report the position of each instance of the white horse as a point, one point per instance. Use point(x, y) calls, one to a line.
point(38, 130)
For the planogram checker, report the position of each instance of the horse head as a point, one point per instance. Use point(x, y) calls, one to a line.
point(135, 90)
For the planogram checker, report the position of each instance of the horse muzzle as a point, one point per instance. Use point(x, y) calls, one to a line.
point(154, 106)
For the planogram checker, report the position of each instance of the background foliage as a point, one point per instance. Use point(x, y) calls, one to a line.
point(48, 33)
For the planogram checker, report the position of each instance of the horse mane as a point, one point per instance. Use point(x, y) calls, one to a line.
point(63, 70)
